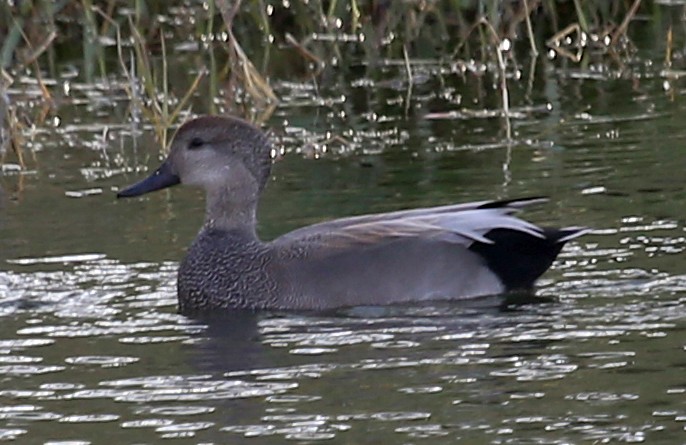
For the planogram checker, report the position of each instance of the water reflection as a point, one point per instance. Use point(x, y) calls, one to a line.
point(232, 343)
point(416, 372)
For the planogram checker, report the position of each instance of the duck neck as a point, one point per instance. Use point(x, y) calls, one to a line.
point(231, 211)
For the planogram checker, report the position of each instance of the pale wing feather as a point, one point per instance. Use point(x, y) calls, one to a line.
point(460, 222)
point(461, 227)
point(328, 226)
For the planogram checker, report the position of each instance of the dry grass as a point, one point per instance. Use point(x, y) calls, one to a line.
point(321, 35)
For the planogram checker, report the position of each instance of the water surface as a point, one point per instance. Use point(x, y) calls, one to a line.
point(91, 344)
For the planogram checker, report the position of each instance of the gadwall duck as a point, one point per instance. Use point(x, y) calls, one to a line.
point(449, 252)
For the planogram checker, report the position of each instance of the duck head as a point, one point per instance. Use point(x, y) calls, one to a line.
point(212, 152)
point(227, 157)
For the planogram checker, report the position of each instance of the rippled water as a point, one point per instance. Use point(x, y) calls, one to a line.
point(91, 345)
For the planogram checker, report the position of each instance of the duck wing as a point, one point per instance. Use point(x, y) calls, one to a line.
point(448, 252)
point(410, 222)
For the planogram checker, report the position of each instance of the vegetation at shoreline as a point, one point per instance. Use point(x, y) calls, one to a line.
point(236, 50)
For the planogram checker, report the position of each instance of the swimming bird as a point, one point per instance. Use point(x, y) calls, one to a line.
point(448, 252)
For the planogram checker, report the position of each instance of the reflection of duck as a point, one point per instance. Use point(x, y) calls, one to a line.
point(231, 342)
point(450, 252)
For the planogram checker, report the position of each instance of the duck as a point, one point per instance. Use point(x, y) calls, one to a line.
point(448, 252)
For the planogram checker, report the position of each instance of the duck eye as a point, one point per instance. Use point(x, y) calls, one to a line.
point(196, 143)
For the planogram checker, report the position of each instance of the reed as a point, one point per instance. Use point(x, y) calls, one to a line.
point(242, 70)
point(320, 30)
point(316, 36)
point(148, 88)
point(9, 136)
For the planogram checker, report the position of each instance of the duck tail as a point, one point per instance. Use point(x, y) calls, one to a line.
point(570, 233)
point(519, 258)
point(517, 203)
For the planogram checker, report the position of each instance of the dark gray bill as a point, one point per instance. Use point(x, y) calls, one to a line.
point(161, 178)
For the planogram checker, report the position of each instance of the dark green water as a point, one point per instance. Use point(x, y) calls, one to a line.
point(91, 345)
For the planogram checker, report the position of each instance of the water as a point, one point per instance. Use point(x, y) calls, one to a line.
point(91, 345)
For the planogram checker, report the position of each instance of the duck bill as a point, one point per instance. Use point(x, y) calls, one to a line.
point(163, 177)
